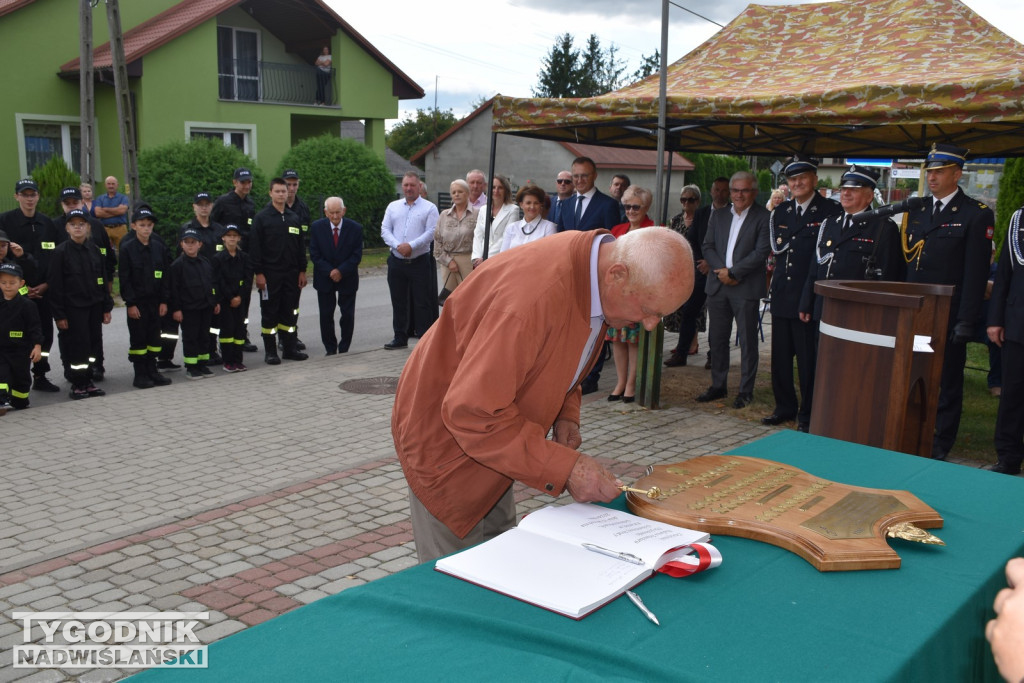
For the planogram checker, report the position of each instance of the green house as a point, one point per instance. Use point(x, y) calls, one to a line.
point(238, 70)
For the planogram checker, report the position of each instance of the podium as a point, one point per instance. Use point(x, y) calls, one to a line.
point(880, 349)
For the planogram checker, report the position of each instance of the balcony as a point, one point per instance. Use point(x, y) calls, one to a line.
point(245, 80)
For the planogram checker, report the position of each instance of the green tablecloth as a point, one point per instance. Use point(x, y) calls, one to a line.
point(765, 614)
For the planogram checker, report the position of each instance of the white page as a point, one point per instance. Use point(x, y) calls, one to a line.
point(611, 529)
point(562, 577)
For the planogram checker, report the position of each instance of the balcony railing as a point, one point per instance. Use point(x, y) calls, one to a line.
point(247, 80)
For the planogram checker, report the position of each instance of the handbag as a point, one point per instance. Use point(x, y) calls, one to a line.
point(445, 292)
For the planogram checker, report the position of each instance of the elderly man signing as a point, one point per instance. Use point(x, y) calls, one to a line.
point(502, 368)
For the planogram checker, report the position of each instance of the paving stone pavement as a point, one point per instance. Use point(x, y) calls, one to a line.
point(244, 497)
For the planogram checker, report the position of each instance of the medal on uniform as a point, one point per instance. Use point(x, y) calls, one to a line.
point(778, 241)
point(828, 244)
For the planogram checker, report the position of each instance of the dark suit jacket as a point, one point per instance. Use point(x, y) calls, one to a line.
point(1004, 308)
point(749, 257)
point(345, 257)
point(794, 238)
point(602, 212)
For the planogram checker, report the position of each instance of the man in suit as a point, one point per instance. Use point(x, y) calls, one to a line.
point(563, 190)
point(590, 208)
point(475, 404)
point(736, 250)
point(1006, 330)
point(620, 183)
point(793, 230)
point(948, 242)
point(336, 248)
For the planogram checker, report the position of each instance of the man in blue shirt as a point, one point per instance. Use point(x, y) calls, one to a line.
point(112, 210)
point(408, 228)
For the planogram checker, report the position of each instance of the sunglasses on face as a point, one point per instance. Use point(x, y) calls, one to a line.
point(631, 207)
point(687, 200)
point(562, 181)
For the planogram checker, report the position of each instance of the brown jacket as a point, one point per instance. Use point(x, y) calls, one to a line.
point(483, 387)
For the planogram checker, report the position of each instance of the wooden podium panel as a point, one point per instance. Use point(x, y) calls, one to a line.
point(880, 349)
point(835, 527)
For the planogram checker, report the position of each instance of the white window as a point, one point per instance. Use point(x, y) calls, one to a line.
point(238, 64)
point(239, 135)
point(42, 137)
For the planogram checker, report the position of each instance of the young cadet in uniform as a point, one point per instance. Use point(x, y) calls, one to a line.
point(71, 199)
point(278, 260)
point(210, 233)
point(852, 249)
point(295, 203)
point(237, 207)
point(192, 297)
point(21, 339)
point(793, 229)
point(232, 275)
point(144, 263)
point(1006, 330)
point(12, 252)
point(80, 302)
point(948, 242)
point(37, 234)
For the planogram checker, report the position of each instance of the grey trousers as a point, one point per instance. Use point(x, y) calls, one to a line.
point(723, 307)
point(434, 539)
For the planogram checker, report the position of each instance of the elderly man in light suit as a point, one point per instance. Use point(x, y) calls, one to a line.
point(736, 248)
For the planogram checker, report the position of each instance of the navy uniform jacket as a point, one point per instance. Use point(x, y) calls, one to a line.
point(345, 257)
point(37, 236)
point(1006, 305)
point(602, 212)
point(232, 275)
point(843, 255)
point(142, 271)
point(209, 236)
point(98, 234)
point(77, 278)
point(957, 251)
point(190, 286)
point(275, 242)
point(230, 209)
point(793, 238)
point(19, 325)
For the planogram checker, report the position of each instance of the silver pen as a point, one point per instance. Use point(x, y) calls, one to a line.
point(627, 557)
point(635, 599)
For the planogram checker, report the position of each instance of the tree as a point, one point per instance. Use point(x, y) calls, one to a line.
point(333, 166)
point(649, 65)
point(410, 135)
point(1011, 196)
point(707, 167)
point(52, 177)
point(559, 75)
point(170, 175)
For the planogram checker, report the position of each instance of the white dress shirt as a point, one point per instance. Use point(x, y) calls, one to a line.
point(412, 223)
point(734, 233)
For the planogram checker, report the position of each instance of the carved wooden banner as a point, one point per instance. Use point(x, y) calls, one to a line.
point(835, 527)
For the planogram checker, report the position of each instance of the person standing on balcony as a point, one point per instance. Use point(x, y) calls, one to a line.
point(323, 75)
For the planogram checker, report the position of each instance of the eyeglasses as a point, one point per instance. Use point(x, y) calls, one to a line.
point(742, 190)
point(687, 200)
point(562, 181)
point(631, 207)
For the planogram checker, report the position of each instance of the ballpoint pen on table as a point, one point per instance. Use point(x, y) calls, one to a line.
point(626, 557)
point(635, 599)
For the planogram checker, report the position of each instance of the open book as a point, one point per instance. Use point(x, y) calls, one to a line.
point(575, 558)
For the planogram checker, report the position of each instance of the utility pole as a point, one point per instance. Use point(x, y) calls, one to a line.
point(123, 96)
point(86, 89)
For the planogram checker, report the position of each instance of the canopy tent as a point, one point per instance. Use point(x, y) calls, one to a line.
point(864, 78)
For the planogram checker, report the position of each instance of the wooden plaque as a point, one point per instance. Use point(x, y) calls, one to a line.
point(835, 527)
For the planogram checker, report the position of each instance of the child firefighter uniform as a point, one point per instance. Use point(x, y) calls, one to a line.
point(21, 338)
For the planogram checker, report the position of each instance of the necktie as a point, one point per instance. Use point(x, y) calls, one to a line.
point(848, 222)
point(799, 211)
point(335, 235)
point(579, 209)
point(938, 208)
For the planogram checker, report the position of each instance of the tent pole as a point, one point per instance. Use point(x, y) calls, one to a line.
point(648, 375)
point(490, 195)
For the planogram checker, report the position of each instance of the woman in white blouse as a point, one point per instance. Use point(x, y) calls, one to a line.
point(532, 226)
point(503, 212)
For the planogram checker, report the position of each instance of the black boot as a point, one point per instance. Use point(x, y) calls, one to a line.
point(270, 350)
point(154, 374)
point(142, 379)
point(291, 352)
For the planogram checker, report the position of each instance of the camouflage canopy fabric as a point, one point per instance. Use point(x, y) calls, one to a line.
point(850, 78)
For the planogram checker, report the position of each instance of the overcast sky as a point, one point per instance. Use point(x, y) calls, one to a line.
point(497, 46)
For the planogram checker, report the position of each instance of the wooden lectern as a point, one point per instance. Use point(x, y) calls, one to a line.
point(880, 351)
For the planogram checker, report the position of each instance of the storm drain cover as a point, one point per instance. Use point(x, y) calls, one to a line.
point(370, 385)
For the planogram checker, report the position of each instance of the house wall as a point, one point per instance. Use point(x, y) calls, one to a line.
point(179, 84)
point(519, 159)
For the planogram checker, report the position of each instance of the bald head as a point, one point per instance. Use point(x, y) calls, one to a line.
point(645, 275)
point(334, 209)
